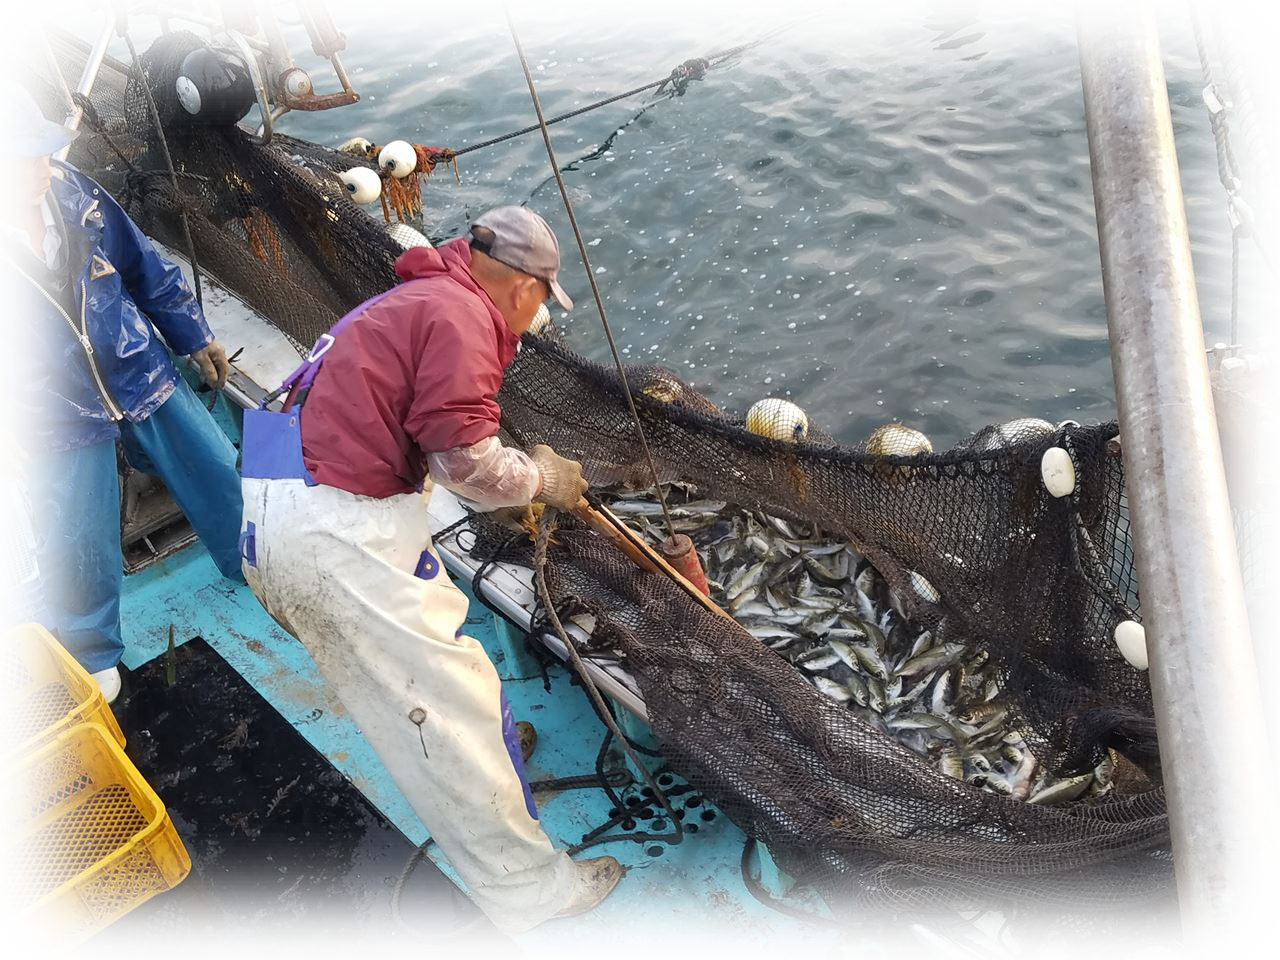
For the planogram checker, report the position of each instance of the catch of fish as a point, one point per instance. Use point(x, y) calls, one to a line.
point(823, 608)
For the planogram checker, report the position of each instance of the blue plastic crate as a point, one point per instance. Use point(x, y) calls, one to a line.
point(22, 598)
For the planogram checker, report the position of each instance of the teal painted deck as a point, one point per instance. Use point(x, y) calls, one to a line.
point(696, 883)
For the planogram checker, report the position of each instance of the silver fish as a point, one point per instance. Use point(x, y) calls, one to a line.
point(925, 721)
point(836, 691)
point(818, 658)
point(744, 581)
point(934, 659)
point(858, 689)
point(1063, 791)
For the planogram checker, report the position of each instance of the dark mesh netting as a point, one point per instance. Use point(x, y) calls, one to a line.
point(838, 802)
point(970, 558)
point(1040, 583)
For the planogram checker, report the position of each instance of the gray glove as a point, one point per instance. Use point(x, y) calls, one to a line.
point(562, 481)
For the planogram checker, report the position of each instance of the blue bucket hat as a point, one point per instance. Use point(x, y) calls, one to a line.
point(28, 133)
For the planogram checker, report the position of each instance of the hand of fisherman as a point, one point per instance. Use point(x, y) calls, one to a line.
point(213, 363)
point(562, 481)
point(12, 452)
point(514, 518)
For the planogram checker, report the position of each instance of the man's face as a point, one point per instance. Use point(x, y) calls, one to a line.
point(529, 293)
point(35, 175)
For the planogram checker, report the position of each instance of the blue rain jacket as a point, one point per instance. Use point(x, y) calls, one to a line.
point(126, 297)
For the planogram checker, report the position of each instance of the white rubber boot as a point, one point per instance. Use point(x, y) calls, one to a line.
point(595, 881)
point(108, 682)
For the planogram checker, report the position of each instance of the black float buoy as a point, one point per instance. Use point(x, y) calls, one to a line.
point(214, 87)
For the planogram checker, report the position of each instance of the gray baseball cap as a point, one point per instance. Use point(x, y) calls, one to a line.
point(522, 240)
point(28, 133)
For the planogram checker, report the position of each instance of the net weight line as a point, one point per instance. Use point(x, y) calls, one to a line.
point(586, 262)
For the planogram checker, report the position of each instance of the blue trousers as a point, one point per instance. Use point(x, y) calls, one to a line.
point(76, 500)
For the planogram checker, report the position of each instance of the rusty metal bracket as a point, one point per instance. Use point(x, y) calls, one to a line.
point(310, 100)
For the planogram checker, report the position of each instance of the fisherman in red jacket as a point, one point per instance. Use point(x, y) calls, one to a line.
point(336, 544)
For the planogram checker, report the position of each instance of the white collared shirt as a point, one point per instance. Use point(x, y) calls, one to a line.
point(53, 241)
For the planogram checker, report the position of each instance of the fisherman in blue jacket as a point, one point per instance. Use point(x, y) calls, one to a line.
point(97, 306)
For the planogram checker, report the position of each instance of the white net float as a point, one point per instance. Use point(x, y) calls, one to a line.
point(540, 319)
point(778, 420)
point(363, 184)
point(896, 440)
point(358, 146)
point(1058, 472)
point(398, 158)
point(1131, 639)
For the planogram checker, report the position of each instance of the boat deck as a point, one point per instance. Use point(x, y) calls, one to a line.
point(675, 900)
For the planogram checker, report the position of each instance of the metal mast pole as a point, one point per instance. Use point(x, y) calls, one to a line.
point(1203, 679)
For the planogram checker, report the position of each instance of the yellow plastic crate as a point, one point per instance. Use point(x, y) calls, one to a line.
point(50, 691)
point(94, 840)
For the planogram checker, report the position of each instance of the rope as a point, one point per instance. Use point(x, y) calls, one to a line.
point(545, 526)
point(679, 78)
point(562, 117)
point(1255, 145)
point(617, 778)
point(757, 890)
point(168, 160)
point(410, 866)
point(89, 113)
point(1235, 286)
point(1228, 171)
point(607, 781)
point(586, 262)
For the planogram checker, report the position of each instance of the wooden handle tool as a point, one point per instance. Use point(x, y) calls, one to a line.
point(643, 555)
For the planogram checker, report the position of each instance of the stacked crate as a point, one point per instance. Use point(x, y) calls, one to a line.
point(92, 839)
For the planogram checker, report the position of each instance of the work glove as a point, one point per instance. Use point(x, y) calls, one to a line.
point(562, 481)
point(12, 452)
point(213, 363)
point(514, 518)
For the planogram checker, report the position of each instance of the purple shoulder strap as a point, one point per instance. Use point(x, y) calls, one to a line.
point(305, 374)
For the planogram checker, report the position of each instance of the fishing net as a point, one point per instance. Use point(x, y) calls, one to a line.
point(968, 542)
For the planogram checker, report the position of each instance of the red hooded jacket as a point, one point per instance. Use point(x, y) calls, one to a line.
point(417, 373)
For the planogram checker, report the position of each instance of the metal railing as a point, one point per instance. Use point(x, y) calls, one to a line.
point(1205, 687)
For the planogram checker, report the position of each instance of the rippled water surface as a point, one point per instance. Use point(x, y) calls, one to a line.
point(879, 220)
